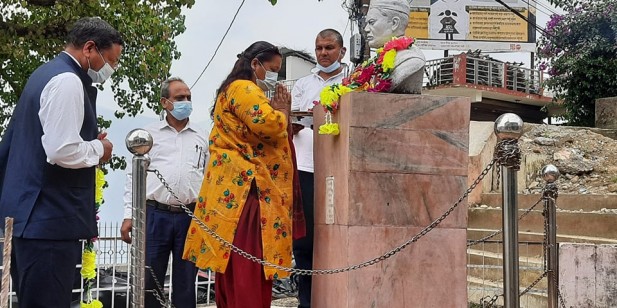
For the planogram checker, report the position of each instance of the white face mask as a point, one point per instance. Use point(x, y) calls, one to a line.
point(101, 75)
point(269, 83)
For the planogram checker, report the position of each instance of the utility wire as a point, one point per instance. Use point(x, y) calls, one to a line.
point(219, 45)
point(546, 6)
point(517, 13)
point(346, 26)
point(535, 5)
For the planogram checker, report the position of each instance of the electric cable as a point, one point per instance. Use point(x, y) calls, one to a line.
point(517, 13)
point(219, 45)
point(529, 5)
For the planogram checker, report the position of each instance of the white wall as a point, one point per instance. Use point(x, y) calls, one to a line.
point(297, 67)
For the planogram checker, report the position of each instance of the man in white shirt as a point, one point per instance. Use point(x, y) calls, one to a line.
point(48, 157)
point(329, 51)
point(179, 153)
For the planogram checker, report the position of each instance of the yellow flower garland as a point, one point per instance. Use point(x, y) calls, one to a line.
point(88, 265)
point(88, 257)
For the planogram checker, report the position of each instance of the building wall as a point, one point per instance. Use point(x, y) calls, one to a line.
point(297, 67)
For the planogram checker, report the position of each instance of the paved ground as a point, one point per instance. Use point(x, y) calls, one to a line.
point(279, 303)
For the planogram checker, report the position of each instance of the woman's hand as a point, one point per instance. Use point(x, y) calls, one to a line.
point(281, 100)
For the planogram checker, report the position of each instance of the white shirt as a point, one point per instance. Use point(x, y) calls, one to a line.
point(305, 92)
point(62, 114)
point(180, 157)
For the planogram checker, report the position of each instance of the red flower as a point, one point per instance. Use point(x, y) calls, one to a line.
point(366, 74)
point(380, 58)
point(382, 85)
point(398, 44)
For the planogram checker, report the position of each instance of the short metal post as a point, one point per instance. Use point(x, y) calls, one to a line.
point(139, 143)
point(509, 126)
point(550, 173)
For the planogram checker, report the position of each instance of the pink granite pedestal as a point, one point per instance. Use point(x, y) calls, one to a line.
point(399, 163)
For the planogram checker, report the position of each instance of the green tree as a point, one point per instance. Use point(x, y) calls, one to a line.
point(580, 53)
point(32, 32)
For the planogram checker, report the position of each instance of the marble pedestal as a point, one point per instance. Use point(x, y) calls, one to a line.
point(399, 163)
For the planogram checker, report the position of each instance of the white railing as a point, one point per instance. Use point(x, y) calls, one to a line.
point(113, 269)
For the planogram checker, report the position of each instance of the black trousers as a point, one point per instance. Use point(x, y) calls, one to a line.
point(44, 271)
point(303, 248)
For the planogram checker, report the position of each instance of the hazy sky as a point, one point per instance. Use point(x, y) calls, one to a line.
point(291, 23)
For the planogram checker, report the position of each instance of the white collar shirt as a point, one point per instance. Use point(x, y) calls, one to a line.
point(61, 114)
point(304, 95)
point(180, 157)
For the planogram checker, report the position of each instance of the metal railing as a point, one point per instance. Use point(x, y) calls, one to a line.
point(113, 269)
point(462, 69)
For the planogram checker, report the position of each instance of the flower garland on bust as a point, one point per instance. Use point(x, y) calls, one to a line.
point(372, 76)
point(88, 258)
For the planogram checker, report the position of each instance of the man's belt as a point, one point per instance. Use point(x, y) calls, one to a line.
point(170, 208)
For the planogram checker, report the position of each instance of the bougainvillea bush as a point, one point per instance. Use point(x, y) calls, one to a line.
point(579, 52)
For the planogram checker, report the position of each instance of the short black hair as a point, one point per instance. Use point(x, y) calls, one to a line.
point(331, 32)
point(93, 29)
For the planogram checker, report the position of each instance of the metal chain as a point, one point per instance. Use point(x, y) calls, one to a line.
point(488, 237)
point(533, 284)
point(376, 260)
point(158, 293)
point(498, 169)
point(491, 300)
point(561, 301)
point(508, 154)
point(494, 298)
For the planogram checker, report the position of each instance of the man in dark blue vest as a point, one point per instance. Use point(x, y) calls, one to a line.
point(48, 158)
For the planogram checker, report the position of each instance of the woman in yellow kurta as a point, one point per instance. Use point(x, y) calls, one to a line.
point(247, 193)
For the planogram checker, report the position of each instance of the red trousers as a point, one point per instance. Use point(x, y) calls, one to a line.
point(244, 283)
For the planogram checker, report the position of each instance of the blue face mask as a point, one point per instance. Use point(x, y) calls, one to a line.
point(182, 110)
point(331, 68)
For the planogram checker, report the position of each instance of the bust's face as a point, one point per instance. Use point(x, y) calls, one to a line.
point(378, 28)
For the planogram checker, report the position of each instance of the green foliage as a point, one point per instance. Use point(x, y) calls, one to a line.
point(32, 32)
point(580, 52)
point(273, 2)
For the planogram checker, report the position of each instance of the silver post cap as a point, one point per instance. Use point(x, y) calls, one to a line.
point(139, 141)
point(508, 126)
point(550, 173)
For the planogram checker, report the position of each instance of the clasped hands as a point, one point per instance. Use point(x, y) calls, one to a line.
point(281, 100)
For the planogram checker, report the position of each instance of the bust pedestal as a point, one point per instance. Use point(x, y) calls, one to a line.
point(399, 163)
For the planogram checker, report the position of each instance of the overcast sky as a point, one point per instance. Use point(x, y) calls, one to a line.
point(291, 23)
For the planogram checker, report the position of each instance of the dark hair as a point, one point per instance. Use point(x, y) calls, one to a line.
point(242, 69)
point(331, 32)
point(93, 29)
